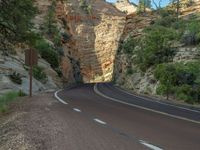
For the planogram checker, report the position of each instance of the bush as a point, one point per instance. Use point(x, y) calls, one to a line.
point(39, 74)
point(155, 47)
point(180, 80)
point(59, 72)
point(85, 6)
point(6, 99)
point(129, 71)
point(65, 37)
point(128, 46)
point(192, 33)
point(167, 21)
point(21, 93)
point(48, 53)
point(16, 78)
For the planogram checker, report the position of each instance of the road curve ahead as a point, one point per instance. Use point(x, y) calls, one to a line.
point(134, 123)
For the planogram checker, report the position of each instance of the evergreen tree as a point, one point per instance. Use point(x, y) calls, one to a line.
point(15, 21)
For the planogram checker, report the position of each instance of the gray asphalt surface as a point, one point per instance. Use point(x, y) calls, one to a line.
point(126, 125)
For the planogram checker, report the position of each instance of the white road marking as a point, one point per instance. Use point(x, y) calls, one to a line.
point(58, 98)
point(76, 109)
point(196, 111)
point(99, 121)
point(159, 112)
point(149, 145)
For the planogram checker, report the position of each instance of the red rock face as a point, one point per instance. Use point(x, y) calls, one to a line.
point(93, 40)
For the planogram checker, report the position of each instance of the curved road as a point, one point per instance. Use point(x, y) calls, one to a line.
point(127, 122)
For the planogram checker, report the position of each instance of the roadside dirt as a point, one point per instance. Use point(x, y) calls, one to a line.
point(31, 125)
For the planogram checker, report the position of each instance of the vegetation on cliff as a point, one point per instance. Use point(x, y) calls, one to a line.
point(156, 48)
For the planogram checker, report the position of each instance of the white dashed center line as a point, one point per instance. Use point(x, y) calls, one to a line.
point(77, 110)
point(99, 121)
point(149, 145)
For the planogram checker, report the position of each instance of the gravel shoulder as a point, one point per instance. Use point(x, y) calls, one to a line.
point(29, 124)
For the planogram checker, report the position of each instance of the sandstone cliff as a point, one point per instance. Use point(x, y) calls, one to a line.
point(125, 6)
point(95, 30)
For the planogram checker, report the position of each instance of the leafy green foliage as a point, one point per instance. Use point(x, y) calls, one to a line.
point(129, 71)
point(192, 33)
point(129, 45)
point(182, 81)
point(6, 99)
point(39, 74)
point(156, 47)
point(85, 6)
point(49, 25)
point(16, 78)
point(47, 52)
point(15, 20)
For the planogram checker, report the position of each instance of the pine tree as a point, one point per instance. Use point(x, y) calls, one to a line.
point(15, 21)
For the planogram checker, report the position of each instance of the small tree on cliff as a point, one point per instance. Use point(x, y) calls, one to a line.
point(143, 5)
point(176, 3)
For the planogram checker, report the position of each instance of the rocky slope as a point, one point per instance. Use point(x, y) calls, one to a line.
point(94, 38)
point(137, 81)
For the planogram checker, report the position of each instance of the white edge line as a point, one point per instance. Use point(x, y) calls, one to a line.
point(58, 98)
point(149, 145)
point(148, 109)
point(99, 121)
point(157, 101)
point(76, 109)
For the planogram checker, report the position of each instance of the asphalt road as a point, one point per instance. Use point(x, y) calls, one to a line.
point(139, 124)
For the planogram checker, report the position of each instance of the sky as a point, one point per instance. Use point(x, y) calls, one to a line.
point(164, 2)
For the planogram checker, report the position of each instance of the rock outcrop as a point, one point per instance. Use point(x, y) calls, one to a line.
point(189, 9)
point(94, 37)
point(138, 81)
point(125, 6)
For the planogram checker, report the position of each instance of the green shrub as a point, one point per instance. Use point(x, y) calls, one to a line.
point(129, 71)
point(65, 37)
point(16, 78)
point(85, 6)
point(155, 47)
point(128, 46)
point(57, 40)
point(39, 74)
point(192, 33)
point(48, 53)
point(167, 21)
point(6, 99)
point(59, 72)
point(21, 93)
point(180, 80)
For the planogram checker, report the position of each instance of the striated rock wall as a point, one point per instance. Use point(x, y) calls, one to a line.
point(139, 82)
point(94, 38)
point(193, 9)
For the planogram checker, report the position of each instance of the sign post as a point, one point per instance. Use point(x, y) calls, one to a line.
point(31, 59)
